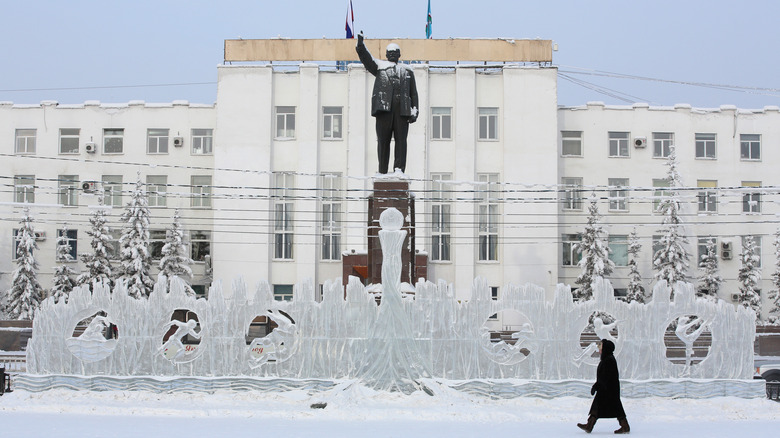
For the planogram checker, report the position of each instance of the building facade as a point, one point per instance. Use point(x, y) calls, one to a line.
point(272, 180)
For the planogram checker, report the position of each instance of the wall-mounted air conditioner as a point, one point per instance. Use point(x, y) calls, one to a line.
point(40, 235)
point(89, 186)
point(726, 252)
point(91, 148)
point(178, 141)
point(640, 142)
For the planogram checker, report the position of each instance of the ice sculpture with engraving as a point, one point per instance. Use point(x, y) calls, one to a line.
point(390, 345)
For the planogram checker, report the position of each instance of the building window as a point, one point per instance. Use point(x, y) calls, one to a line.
point(332, 122)
point(330, 227)
point(618, 250)
point(15, 247)
point(24, 188)
point(202, 141)
point(618, 144)
point(201, 191)
point(156, 189)
point(113, 245)
point(156, 141)
point(441, 123)
point(757, 245)
point(156, 243)
point(112, 190)
point(283, 292)
point(701, 248)
point(662, 144)
point(113, 141)
point(69, 140)
point(488, 124)
point(572, 193)
point(488, 198)
point(751, 202)
point(494, 296)
point(441, 204)
point(285, 122)
point(705, 145)
point(200, 245)
point(659, 194)
point(708, 199)
point(657, 245)
point(72, 236)
point(618, 194)
point(570, 255)
point(283, 216)
point(571, 143)
point(750, 146)
point(68, 192)
point(25, 141)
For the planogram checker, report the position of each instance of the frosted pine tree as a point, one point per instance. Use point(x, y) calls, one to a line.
point(749, 276)
point(774, 294)
point(135, 259)
point(636, 292)
point(710, 281)
point(25, 295)
point(595, 260)
point(671, 260)
point(97, 264)
point(63, 281)
point(175, 260)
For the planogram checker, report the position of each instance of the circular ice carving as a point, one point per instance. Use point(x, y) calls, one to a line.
point(178, 336)
point(391, 219)
point(511, 346)
point(691, 341)
point(277, 345)
point(96, 342)
point(601, 325)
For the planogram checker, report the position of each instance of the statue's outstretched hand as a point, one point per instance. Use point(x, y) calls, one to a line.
point(360, 38)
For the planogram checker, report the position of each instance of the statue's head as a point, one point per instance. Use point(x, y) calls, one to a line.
point(393, 53)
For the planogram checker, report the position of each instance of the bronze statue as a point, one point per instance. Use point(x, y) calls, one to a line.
point(393, 102)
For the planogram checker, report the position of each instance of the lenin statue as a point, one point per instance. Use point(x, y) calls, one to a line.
point(393, 102)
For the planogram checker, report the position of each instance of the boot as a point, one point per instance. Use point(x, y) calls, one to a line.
point(588, 427)
point(624, 427)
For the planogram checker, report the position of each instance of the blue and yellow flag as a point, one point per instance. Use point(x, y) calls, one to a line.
point(429, 24)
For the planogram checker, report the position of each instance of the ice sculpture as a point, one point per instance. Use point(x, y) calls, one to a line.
point(391, 345)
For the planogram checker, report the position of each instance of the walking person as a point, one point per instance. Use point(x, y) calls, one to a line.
point(607, 403)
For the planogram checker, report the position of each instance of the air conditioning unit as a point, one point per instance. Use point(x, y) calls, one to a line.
point(40, 235)
point(640, 142)
point(91, 148)
point(735, 297)
point(726, 250)
point(178, 141)
point(89, 186)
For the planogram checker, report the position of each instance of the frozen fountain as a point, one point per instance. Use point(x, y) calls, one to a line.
point(396, 345)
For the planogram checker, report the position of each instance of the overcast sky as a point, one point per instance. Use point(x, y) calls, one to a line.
point(77, 50)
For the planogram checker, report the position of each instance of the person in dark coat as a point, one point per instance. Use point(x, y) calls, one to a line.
point(394, 102)
point(607, 403)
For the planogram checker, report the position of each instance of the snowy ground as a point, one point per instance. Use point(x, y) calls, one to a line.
point(358, 412)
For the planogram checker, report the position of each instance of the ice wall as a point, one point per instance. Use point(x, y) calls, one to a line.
point(388, 346)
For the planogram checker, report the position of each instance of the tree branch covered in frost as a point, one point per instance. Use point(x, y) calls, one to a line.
point(97, 263)
point(25, 294)
point(749, 276)
point(774, 293)
point(671, 259)
point(135, 260)
point(710, 281)
point(595, 260)
point(636, 292)
point(175, 261)
point(63, 282)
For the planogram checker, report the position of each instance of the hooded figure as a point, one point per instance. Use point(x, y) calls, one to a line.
point(607, 403)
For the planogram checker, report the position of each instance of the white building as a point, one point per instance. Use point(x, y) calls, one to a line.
point(272, 179)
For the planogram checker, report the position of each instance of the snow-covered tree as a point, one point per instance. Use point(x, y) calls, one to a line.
point(670, 261)
point(97, 264)
point(710, 280)
point(749, 276)
point(25, 295)
point(595, 260)
point(175, 260)
point(636, 292)
point(63, 282)
point(135, 258)
point(774, 295)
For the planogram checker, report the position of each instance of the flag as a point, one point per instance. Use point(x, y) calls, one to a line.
point(350, 27)
point(429, 24)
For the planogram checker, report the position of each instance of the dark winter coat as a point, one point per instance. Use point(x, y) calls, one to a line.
point(382, 96)
point(607, 403)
